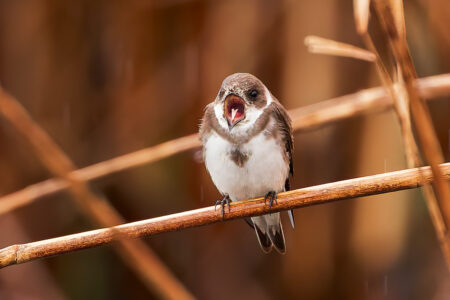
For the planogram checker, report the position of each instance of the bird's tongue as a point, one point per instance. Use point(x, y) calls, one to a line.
point(234, 111)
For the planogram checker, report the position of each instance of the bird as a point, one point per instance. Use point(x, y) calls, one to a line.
point(247, 148)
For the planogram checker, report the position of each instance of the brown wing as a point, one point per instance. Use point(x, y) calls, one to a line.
point(205, 125)
point(285, 128)
point(284, 123)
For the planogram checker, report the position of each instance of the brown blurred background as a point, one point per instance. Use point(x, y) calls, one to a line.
point(105, 78)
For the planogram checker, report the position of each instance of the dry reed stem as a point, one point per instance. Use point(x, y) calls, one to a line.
point(134, 253)
point(425, 131)
point(413, 157)
point(401, 105)
point(361, 11)
point(346, 189)
point(320, 45)
point(399, 17)
point(303, 118)
point(400, 102)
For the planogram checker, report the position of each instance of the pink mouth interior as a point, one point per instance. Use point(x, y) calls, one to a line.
point(237, 104)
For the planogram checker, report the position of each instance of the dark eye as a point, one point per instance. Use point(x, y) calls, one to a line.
point(253, 93)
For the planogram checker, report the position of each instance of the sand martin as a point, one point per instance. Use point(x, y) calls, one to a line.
point(247, 149)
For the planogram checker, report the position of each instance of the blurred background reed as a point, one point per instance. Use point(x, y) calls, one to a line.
point(105, 78)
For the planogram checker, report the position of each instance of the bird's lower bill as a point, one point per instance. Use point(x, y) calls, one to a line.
point(234, 108)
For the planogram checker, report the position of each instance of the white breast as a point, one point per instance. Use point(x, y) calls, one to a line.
point(265, 169)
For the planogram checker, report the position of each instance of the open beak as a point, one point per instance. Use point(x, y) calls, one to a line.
point(234, 110)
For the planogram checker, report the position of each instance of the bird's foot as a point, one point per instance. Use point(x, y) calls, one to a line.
point(225, 201)
point(272, 197)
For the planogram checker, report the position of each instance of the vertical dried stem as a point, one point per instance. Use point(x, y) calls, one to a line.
point(361, 10)
point(412, 150)
point(401, 104)
point(394, 29)
point(136, 254)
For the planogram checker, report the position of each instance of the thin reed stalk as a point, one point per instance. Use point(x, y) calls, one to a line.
point(392, 22)
point(401, 105)
point(135, 254)
point(346, 189)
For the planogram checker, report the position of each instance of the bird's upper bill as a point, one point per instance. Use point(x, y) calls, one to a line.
point(234, 109)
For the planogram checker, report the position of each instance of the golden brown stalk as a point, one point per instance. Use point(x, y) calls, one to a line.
point(134, 253)
point(361, 11)
point(401, 105)
point(320, 45)
point(392, 22)
point(303, 118)
point(352, 188)
point(414, 160)
point(399, 17)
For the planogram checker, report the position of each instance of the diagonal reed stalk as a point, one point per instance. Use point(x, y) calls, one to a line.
point(392, 22)
point(303, 118)
point(401, 105)
point(346, 189)
point(135, 254)
point(397, 91)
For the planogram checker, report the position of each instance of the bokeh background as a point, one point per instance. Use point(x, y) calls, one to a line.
point(105, 78)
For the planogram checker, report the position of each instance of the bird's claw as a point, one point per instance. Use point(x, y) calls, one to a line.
point(225, 201)
point(272, 197)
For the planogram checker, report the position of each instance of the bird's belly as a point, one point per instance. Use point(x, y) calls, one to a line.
point(265, 168)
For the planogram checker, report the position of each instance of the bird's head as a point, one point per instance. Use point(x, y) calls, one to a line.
point(241, 100)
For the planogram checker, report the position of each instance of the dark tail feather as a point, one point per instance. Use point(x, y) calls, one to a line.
point(263, 239)
point(276, 235)
point(249, 222)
